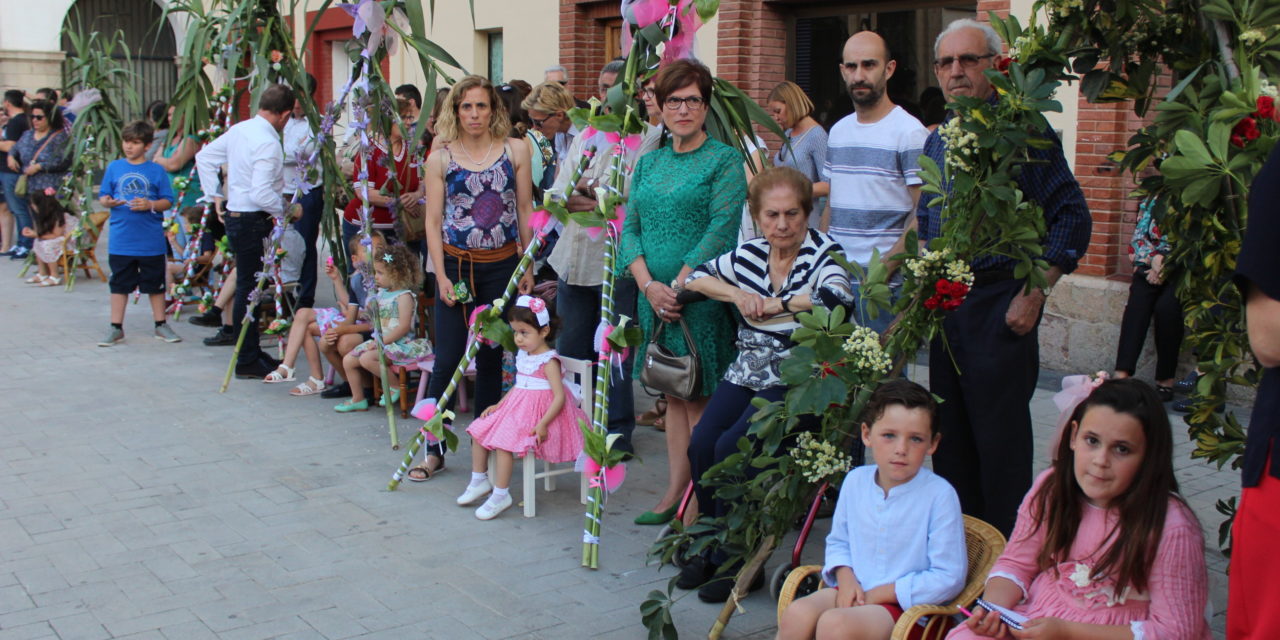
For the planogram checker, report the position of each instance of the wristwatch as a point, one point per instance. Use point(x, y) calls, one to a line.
point(785, 304)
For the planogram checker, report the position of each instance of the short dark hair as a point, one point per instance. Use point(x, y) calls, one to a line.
point(49, 94)
point(138, 131)
point(277, 98)
point(158, 112)
point(901, 392)
point(51, 112)
point(16, 98)
point(411, 92)
point(308, 83)
point(680, 74)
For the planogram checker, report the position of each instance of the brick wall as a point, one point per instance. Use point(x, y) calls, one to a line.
point(582, 35)
point(752, 50)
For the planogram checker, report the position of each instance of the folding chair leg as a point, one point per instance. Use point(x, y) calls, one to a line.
point(530, 485)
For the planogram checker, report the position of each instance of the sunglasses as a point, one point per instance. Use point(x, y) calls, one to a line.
point(37, 117)
point(538, 122)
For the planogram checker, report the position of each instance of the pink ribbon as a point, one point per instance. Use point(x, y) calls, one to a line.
point(539, 220)
point(471, 322)
point(608, 479)
point(1075, 389)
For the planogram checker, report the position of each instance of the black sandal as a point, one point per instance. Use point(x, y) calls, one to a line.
point(1164, 392)
point(427, 472)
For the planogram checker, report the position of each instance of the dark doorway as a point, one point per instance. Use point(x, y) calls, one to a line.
point(149, 38)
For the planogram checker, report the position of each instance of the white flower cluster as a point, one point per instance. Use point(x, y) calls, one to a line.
point(863, 345)
point(962, 146)
point(1022, 43)
point(1063, 8)
point(940, 264)
point(819, 460)
point(1253, 36)
point(1268, 89)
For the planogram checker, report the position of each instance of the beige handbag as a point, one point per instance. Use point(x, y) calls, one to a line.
point(676, 376)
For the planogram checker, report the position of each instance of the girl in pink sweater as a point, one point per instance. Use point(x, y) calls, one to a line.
point(1104, 547)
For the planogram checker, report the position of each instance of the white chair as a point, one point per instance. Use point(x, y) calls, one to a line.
point(578, 372)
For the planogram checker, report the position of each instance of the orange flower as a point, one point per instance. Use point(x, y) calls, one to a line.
point(276, 56)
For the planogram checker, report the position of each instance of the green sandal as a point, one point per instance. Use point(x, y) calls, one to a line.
point(349, 406)
point(395, 397)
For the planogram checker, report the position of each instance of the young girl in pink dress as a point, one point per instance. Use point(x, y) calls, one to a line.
point(537, 415)
point(1104, 546)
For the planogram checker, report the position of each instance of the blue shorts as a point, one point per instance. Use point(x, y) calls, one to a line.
point(144, 273)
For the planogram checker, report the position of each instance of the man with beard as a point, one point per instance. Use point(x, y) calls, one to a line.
point(872, 166)
point(986, 363)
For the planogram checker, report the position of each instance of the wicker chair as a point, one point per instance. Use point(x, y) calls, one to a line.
point(984, 543)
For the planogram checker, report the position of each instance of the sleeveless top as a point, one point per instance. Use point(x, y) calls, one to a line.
point(480, 206)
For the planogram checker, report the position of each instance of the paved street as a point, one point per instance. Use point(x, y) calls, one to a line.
point(138, 502)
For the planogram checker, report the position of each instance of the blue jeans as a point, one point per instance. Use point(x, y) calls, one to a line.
point(579, 310)
point(309, 226)
point(20, 208)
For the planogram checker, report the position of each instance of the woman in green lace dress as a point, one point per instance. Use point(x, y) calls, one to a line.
point(684, 209)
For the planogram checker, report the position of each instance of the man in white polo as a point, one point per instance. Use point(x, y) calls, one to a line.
point(873, 167)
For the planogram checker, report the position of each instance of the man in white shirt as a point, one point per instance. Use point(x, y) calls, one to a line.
point(299, 143)
point(873, 166)
point(254, 158)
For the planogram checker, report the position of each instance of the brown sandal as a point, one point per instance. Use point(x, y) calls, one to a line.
point(652, 417)
point(427, 472)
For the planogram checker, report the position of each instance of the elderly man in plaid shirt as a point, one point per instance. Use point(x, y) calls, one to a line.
point(986, 450)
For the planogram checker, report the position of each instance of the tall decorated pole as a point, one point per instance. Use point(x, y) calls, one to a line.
point(220, 125)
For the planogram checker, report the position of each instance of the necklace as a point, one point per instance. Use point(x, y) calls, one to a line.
point(473, 160)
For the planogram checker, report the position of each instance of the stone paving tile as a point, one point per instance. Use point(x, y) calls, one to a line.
point(185, 514)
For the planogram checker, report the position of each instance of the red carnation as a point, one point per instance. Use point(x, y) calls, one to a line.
point(1002, 64)
point(942, 286)
point(952, 304)
point(959, 290)
point(1237, 141)
point(1247, 129)
point(933, 302)
point(1266, 108)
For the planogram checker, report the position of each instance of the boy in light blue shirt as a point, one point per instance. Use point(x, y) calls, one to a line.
point(137, 191)
point(897, 535)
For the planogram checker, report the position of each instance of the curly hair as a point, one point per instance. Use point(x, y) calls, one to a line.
point(401, 266)
point(447, 123)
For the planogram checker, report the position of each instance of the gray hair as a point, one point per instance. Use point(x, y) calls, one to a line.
point(994, 44)
point(556, 69)
point(614, 66)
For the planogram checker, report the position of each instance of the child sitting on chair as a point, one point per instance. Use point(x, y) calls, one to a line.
point(897, 535)
point(538, 416)
point(52, 224)
point(393, 304)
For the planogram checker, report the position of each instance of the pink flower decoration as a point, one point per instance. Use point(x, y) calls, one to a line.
point(50, 191)
point(613, 476)
point(539, 220)
point(537, 305)
point(648, 12)
point(471, 322)
point(682, 44)
point(425, 409)
point(588, 132)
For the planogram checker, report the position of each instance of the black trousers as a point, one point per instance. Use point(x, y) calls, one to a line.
point(490, 280)
point(985, 416)
point(725, 420)
point(309, 227)
point(247, 231)
point(1148, 301)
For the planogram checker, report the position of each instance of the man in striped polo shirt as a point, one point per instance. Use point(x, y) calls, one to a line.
point(873, 167)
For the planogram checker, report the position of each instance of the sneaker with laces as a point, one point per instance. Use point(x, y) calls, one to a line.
point(113, 336)
point(493, 506)
point(166, 333)
point(474, 492)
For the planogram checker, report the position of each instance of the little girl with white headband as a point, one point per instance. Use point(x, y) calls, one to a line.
point(537, 415)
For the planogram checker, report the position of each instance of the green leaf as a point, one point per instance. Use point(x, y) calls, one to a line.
point(1191, 146)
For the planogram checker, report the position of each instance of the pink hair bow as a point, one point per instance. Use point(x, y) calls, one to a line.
point(1075, 389)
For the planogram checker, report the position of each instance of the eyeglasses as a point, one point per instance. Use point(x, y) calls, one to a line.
point(967, 61)
point(37, 117)
point(648, 91)
point(693, 102)
point(540, 122)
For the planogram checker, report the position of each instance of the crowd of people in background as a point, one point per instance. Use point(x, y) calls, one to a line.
point(450, 193)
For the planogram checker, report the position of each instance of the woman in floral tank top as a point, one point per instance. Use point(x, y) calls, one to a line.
point(479, 197)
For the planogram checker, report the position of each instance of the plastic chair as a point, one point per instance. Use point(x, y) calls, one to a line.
point(578, 372)
point(984, 544)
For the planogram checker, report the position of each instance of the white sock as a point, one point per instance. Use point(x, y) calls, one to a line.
point(477, 478)
point(499, 494)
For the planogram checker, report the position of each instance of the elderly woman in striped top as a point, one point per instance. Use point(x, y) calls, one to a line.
point(771, 278)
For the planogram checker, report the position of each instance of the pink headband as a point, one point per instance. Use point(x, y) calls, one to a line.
point(538, 306)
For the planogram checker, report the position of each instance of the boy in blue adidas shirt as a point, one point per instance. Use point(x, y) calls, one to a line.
point(138, 192)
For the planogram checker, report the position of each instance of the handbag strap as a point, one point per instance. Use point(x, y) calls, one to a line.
point(36, 157)
point(688, 339)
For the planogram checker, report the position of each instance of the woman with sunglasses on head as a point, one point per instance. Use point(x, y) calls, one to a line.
point(41, 152)
point(684, 210)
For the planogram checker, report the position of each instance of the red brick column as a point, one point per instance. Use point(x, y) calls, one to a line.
point(752, 49)
point(579, 36)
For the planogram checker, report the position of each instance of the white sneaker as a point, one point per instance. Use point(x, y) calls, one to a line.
point(491, 508)
point(474, 492)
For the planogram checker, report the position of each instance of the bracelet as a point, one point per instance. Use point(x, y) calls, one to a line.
point(646, 285)
point(785, 306)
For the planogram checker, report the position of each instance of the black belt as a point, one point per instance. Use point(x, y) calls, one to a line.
point(237, 214)
point(984, 278)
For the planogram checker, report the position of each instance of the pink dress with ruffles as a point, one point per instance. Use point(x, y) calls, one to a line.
point(1172, 608)
point(510, 426)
